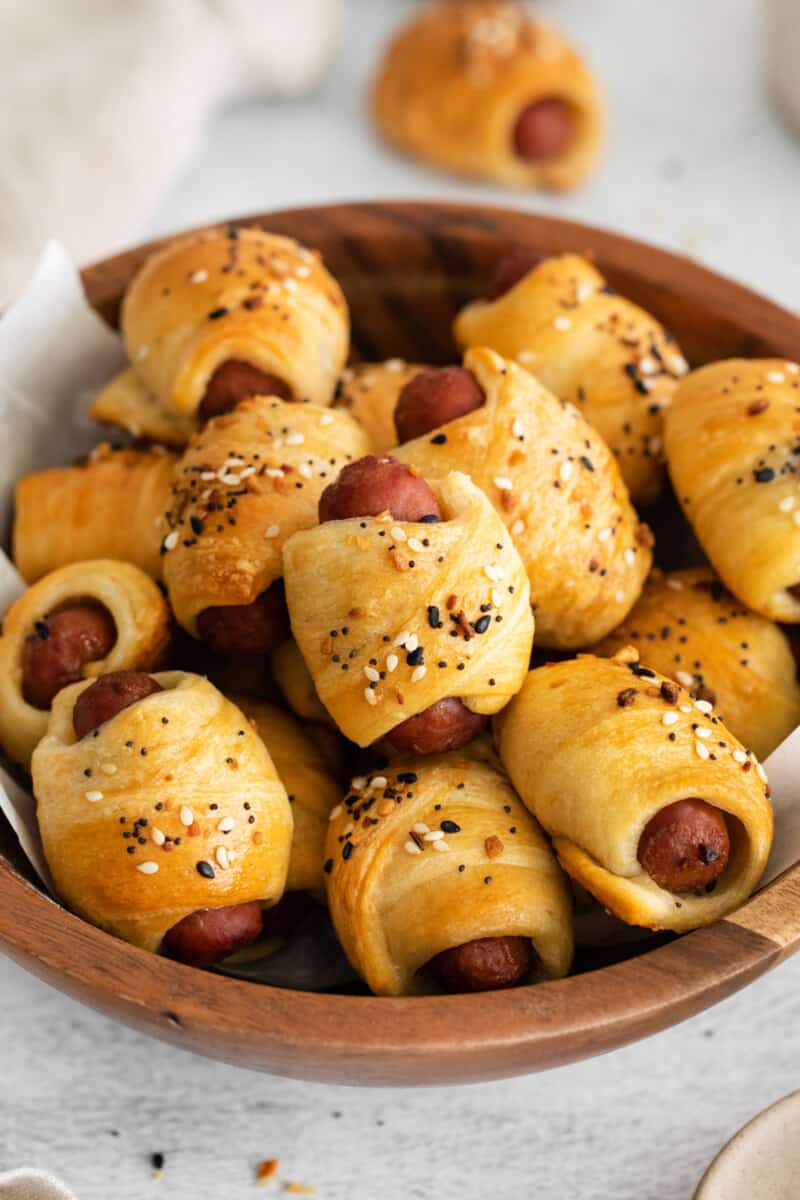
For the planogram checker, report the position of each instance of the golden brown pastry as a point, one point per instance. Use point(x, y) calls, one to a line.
point(215, 317)
point(111, 506)
point(593, 348)
point(79, 621)
point(291, 674)
point(304, 769)
point(434, 854)
point(170, 807)
point(393, 616)
point(245, 484)
point(687, 626)
point(652, 804)
point(369, 391)
point(557, 489)
point(733, 445)
point(481, 89)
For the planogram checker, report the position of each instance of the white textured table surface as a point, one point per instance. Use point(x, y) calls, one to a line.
point(697, 163)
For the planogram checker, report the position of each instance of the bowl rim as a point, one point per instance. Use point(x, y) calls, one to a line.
point(742, 1137)
point(429, 1039)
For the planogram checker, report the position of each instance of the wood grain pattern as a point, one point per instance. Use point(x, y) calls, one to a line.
point(406, 268)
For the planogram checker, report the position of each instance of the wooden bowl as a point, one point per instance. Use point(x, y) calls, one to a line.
point(406, 269)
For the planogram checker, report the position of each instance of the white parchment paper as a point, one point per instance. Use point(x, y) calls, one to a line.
point(54, 353)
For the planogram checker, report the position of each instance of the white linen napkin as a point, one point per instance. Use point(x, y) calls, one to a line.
point(104, 101)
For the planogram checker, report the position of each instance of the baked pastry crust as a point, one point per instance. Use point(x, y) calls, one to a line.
point(376, 585)
point(241, 294)
point(111, 506)
point(295, 684)
point(593, 348)
point(247, 482)
point(557, 489)
point(305, 772)
point(688, 627)
point(454, 80)
point(396, 902)
point(140, 615)
point(594, 772)
point(200, 752)
point(732, 443)
point(370, 391)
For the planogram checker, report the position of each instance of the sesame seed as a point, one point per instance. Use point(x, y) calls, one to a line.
point(378, 781)
point(678, 364)
point(187, 816)
point(434, 835)
point(335, 812)
point(274, 472)
point(700, 750)
point(518, 527)
point(420, 827)
point(370, 697)
point(158, 836)
point(171, 540)
point(272, 531)
point(372, 674)
point(739, 756)
point(669, 718)
point(648, 365)
point(687, 680)
point(412, 643)
point(676, 585)
point(775, 377)
point(761, 773)
point(786, 504)
point(526, 357)
point(326, 419)
point(305, 470)
point(411, 847)
point(440, 845)
point(630, 556)
point(415, 544)
point(147, 868)
point(418, 673)
point(295, 439)
point(400, 640)
point(703, 706)
point(562, 324)
point(619, 597)
point(198, 276)
point(397, 533)
point(518, 428)
point(226, 825)
point(604, 534)
point(492, 573)
point(703, 733)
point(94, 796)
point(504, 484)
point(221, 855)
point(566, 469)
point(391, 662)
point(229, 478)
point(395, 365)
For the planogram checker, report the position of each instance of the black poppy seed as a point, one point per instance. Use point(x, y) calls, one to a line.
point(764, 475)
point(205, 869)
point(415, 658)
point(87, 772)
point(487, 879)
point(196, 524)
point(462, 867)
point(439, 439)
point(429, 519)
point(143, 751)
point(482, 624)
point(460, 667)
point(433, 617)
point(246, 806)
point(216, 313)
point(450, 827)
point(159, 806)
point(131, 849)
point(672, 737)
point(328, 866)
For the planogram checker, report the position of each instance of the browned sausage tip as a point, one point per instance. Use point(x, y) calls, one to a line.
point(240, 629)
point(511, 268)
point(685, 847)
point(446, 725)
point(543, 129)
point(107, 696)
point(371, 486)
point(60, 646)
point(435, 397)
point(484, 965)
point(234, 381)
point(211, 934)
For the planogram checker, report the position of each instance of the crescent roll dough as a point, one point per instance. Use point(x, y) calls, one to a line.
point(142, 622)
point(242, 295)
point(305, 772)
point(733, 447)
point(594, 771)
point(396, 901)
point(369, 392)
point(109, 507)
point(558, 490)
point(295, 684)
point(373, 595)
point(455, 79)
point(247, 482)
point(687, 626)
point(205, 790)
point(593, 348)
